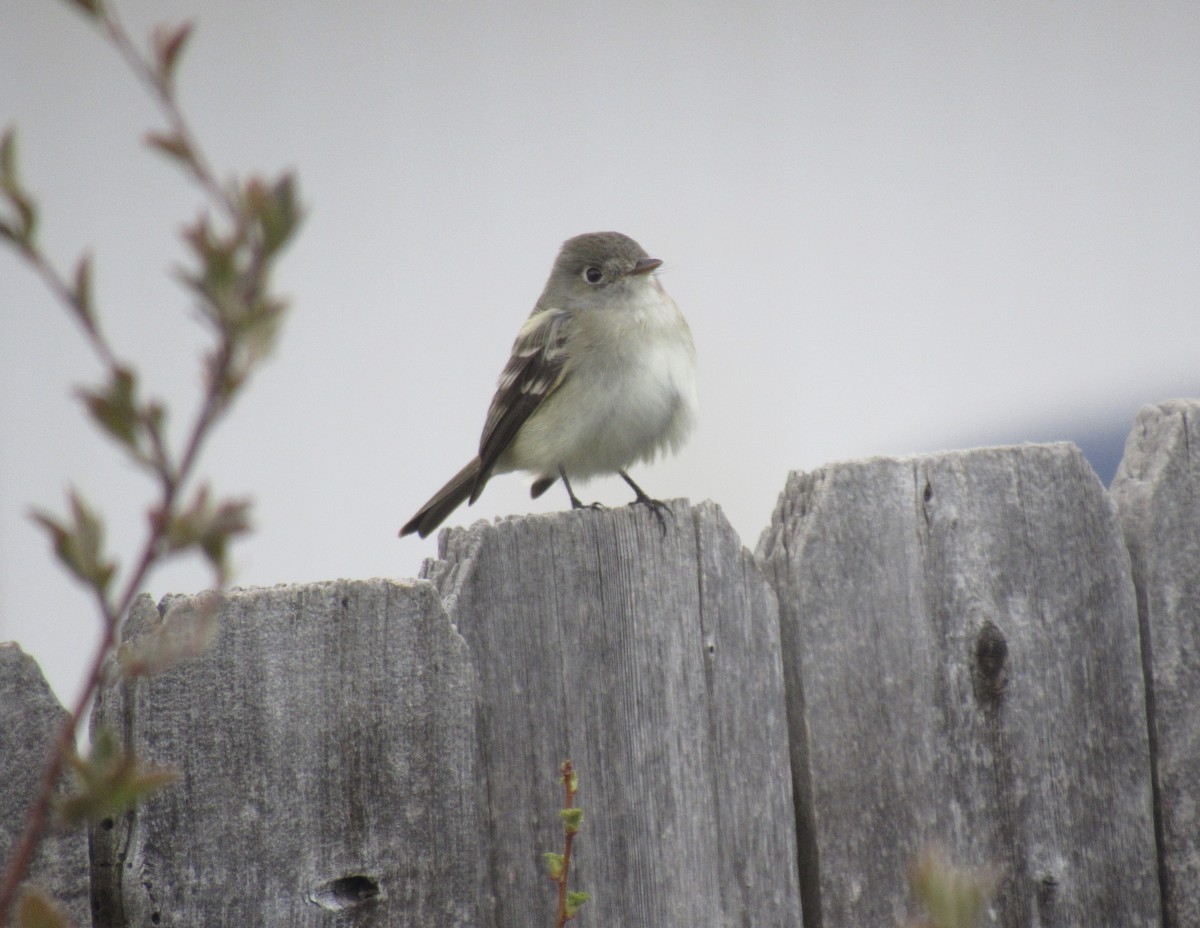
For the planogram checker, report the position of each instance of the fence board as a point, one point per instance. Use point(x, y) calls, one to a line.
point(652, 661)
point(30, 719)
point(961, 647)
point(1157, 491)
point(328, 772)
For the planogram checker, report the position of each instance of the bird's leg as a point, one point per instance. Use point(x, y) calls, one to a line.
point(656, 505)
point(575, 503)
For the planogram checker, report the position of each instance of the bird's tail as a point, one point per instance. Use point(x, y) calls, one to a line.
point(444, 502)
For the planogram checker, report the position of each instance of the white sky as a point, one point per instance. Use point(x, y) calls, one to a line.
point(894, 227)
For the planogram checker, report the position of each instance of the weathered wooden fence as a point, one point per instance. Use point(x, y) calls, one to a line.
point(949, 649)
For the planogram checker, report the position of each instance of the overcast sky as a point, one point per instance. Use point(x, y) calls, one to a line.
point(894, 227)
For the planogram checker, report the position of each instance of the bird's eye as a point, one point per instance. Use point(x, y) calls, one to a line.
point(593, 274)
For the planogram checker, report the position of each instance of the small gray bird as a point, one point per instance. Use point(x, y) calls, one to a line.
point(602, 375)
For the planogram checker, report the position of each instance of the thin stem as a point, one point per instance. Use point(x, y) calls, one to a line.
point(568, 772)
point(165, 97)
point(172, 479)
point(59, 287)
point(36, 819)
point(64, 743)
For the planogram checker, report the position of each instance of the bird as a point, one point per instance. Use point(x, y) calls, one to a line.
point(602, 375)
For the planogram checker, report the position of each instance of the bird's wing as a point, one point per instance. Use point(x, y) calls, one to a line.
point(536, 369)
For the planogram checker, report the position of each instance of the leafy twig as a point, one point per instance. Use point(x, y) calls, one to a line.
point(569, 901)
point(230, 279)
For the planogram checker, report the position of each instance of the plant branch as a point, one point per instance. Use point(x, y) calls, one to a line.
point(159, 81)
point(231, 284)
point(64, 743)
point(73, 299)
point(560, 864)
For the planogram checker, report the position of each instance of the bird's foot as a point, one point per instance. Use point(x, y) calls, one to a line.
point(656, 506)
point(575, 503)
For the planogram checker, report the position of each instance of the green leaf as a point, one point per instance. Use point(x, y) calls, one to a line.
point(208, 526)
point(279, 214)
point(575, 900)
point(8, 157)
point(253, 338)
point(572, 819)
point(168, 45)
point(154, 417)
point(37, 910)
point(218, 281)
point(81, 293)
point(21, 231)
point(79, 545)
point(109, 781)
point(115, 408)
point(554, 863)
point(29, 218)
point(20, 228)
point(172, 145)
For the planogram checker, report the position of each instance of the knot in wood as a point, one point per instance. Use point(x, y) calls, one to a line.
point(346, 892)
point(991, 663)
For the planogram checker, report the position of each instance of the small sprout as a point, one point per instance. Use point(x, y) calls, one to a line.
point(560, 864)
point(572, 820)
point(574, 901)
point(554, 862)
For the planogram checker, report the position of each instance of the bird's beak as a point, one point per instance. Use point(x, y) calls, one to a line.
point(645, 266)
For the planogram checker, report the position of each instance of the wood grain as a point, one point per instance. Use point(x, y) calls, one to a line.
point(652, 661)
point(961, 648)
point(1157, 491)
point(327, 757)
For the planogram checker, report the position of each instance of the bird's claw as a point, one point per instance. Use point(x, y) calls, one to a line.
point(656, 506)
